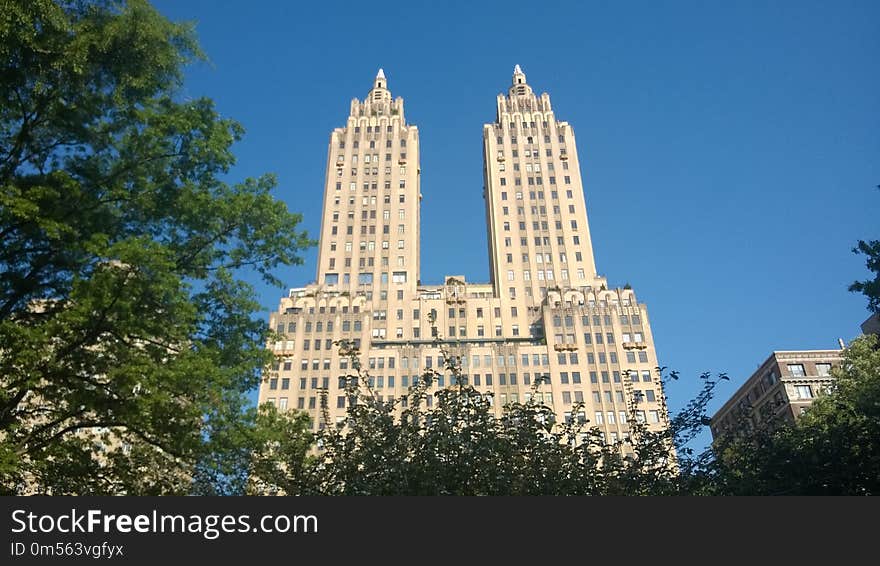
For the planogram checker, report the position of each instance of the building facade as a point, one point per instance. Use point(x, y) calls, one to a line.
point(544, 313)
point(780, 391)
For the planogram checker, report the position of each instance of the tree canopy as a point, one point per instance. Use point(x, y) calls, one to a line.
point(869, 287)
point(128, 337)
point(834, 449)
point(447, 440)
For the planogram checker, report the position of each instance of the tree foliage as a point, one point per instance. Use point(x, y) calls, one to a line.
point(448, 441)
point(457, 446)
point(834, 449)
point(869, 287)
point(127, 336)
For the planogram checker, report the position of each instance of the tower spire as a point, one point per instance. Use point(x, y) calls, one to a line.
point(380, 83)
point(518, 85)
point(519, 78)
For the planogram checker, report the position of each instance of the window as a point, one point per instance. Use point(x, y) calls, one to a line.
point(823, 370)
point(796, 370)
point(804, 391)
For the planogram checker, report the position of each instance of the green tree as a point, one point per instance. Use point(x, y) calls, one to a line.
point(834, 449)
point(443, 438)
point(869, 287)
point(124, 320)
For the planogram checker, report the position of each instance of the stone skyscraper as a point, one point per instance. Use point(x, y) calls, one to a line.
point(545, 311)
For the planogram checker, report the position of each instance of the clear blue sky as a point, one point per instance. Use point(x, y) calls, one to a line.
point(730, 150)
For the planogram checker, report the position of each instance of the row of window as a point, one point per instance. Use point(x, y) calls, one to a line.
point(475, 361)
point(797, 370)
point(544, 124)
point(366, 278)
point(368, 200)
point(371, 214)
point(362, 263)
point(544, 258)
point(597, 320)
point(541, 240)
point(371, 229)
point(652, 416)
point(372, 144)
point(368, 158)
point(536, 210)
point(477, 379)
point(481, 331)
point(357, 326)
point(537, 195)
point(540, 225)
point(479, 313)
point(366, 245)
point(626, 338)
point(321, 310)
point(603, 418)
point(529, 139)
point(530, 167)
point(370, 171)
point(544, 275)
point(534, 181)
point(534, 154)
point(371, 129)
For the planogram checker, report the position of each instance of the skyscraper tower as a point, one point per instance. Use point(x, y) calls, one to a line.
point(538, 232)
point(370, 228)
point(544, 313)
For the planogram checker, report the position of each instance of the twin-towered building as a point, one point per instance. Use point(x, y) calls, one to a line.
point(544, 313)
